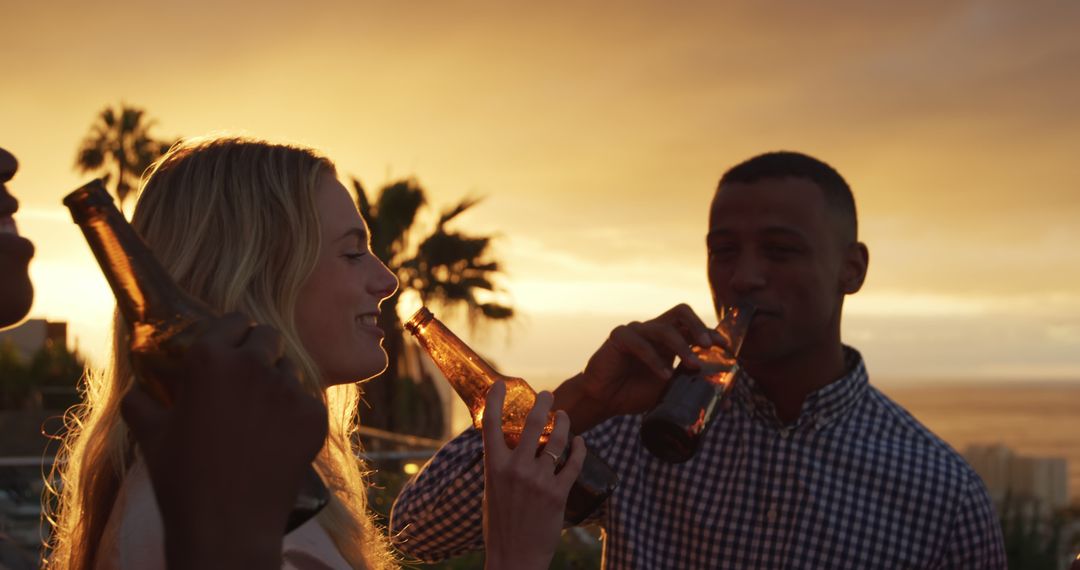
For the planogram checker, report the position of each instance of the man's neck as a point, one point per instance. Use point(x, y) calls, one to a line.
point(788, 381)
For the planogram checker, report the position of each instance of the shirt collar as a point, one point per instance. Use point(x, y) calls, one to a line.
point(821, 407)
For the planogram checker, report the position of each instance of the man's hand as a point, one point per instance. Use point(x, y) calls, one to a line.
point(629, 372)
point(228, 457)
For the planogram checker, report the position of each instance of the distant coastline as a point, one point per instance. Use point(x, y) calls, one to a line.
point(958, 382)
point(1038, 418)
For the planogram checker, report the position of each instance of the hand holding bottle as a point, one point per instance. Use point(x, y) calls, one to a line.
point(673, 430)
point(473, 379)
point(238, 402)
point(631, 370)
point(524, 496)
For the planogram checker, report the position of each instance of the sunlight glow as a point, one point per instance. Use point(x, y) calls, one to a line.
point(898, 303)
point(597, 184)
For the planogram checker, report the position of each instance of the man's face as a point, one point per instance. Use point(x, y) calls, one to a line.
point(774, 243)
point(16, 292)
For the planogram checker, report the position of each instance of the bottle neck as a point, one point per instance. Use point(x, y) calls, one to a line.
point(469, 374)
point(145, 293)
point(735, 324)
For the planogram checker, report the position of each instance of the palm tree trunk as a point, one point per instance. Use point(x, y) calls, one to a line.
point(119, 182)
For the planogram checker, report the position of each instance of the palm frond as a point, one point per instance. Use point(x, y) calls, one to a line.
point(396, 210)
point(364, 204)
point(477, 282)
point(130, 118)
point(441, 248)
point(496, 312)
point(90, 157)
point(457, 210)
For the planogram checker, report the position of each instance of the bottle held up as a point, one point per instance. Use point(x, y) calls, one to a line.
point(472, 377)
point(672, 431)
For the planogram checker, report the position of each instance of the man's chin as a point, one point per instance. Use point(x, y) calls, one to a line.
point(760, 351)
point(16, 298)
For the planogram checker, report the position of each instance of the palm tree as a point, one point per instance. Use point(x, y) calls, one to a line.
point(447, 268)
point(119, 146)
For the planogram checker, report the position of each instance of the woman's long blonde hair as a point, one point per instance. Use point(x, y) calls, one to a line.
point(234, 221)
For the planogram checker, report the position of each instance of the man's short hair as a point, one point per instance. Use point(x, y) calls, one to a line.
point(783, 164)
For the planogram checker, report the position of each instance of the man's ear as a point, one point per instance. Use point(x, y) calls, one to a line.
point(853, 272)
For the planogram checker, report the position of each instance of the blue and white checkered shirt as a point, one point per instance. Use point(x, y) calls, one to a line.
point(855, 482)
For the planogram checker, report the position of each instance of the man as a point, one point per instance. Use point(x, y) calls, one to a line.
point(806, 466)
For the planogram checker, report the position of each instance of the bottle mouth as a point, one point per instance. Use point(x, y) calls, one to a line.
point(89, 201)
point(735, 323)
point(419, 320)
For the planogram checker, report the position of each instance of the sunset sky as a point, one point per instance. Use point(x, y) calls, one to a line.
point(597, 132)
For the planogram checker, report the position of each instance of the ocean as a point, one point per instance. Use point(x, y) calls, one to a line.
point(1034, 419)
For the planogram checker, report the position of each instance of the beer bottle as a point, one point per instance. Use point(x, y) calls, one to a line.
point(472, 377)
point(672, 430)
point(163, 320)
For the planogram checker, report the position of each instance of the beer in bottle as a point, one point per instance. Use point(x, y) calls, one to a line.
point(163, 320)
point(472, 377)
point(672, 430)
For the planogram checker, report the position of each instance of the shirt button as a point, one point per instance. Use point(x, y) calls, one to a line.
point(784, 432)
point(771, 515)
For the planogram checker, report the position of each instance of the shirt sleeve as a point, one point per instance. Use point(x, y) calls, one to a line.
point(976, 541)
point(438, 515)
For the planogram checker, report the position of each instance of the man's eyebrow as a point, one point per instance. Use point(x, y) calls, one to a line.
point(770, 230)
point(785, 231)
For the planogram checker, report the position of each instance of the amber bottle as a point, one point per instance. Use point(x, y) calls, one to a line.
point(672, 431)
point(472, 377)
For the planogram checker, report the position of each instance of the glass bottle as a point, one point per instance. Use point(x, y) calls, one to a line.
point(672, 431)
point(472, 377)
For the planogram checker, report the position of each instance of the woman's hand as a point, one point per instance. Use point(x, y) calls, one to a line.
point(524, 498)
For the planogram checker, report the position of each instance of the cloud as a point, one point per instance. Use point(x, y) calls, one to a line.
point(598, 135)
point(1007, 258)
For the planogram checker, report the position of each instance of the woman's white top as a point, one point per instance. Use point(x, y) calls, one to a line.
point(134, 537)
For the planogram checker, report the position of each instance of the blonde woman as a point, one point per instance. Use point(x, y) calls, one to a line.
point(265, 230)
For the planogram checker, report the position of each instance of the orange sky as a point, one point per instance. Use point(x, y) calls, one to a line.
point(597, 132)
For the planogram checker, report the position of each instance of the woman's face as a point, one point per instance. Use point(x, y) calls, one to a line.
point(338, 305)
